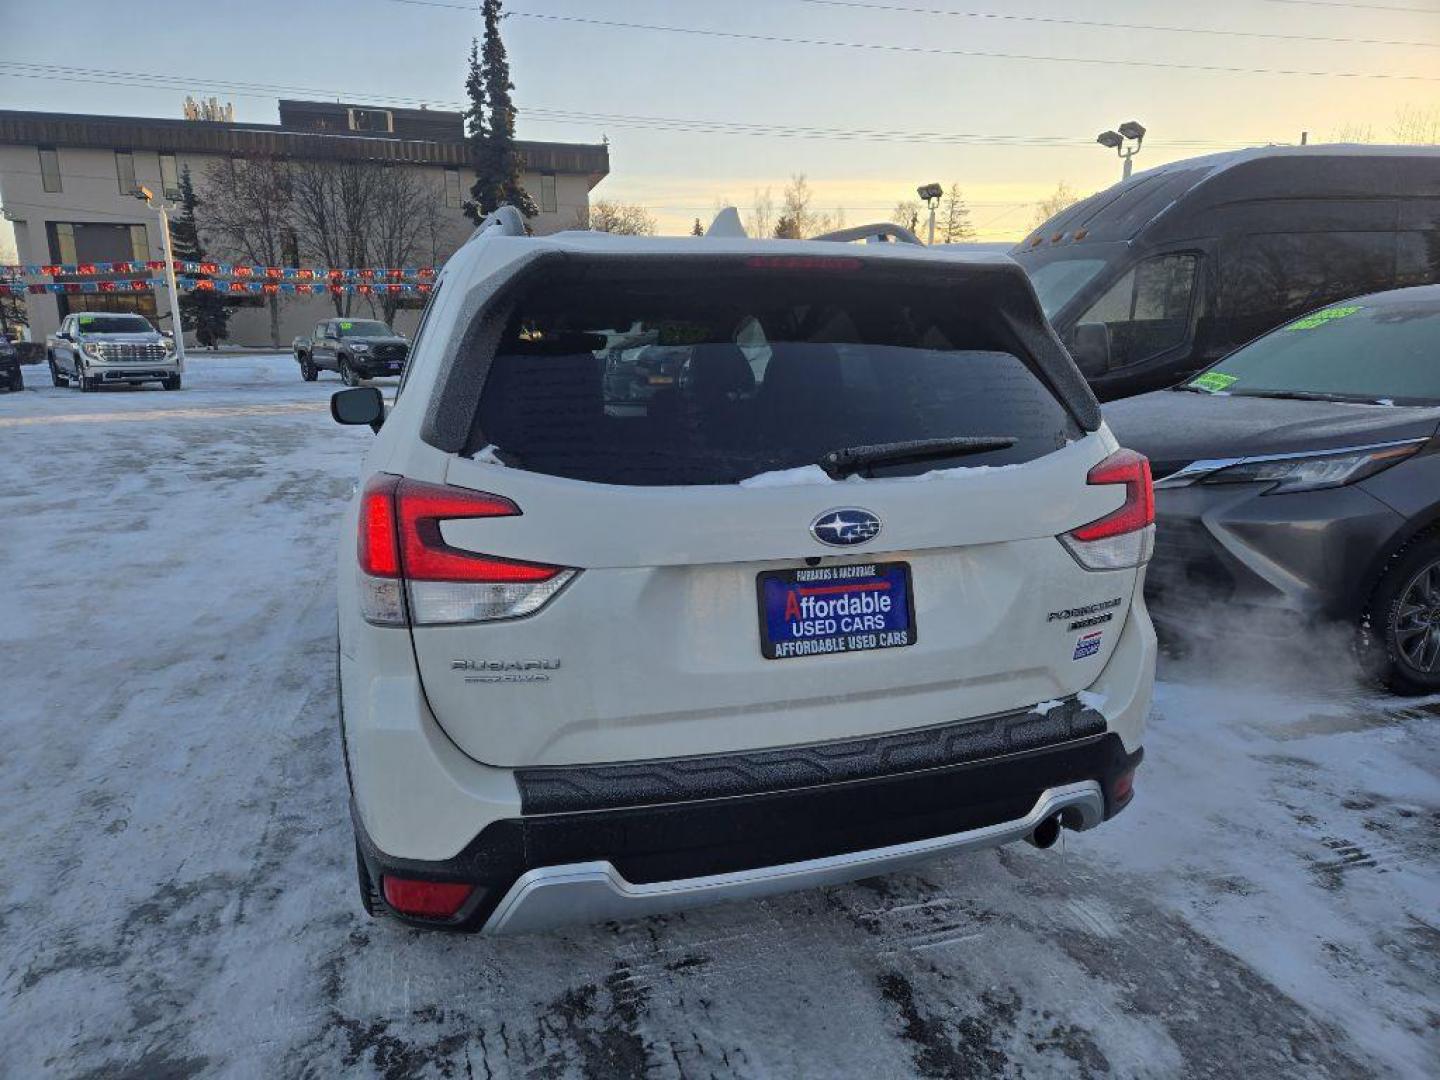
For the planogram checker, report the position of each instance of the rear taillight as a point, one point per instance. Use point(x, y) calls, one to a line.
point(427, 899)
point(404, 556)
point(1124, 537)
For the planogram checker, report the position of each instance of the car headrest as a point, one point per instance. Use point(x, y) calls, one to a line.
point(717, 370)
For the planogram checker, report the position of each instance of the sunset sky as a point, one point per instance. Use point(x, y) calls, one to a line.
point(692, 112)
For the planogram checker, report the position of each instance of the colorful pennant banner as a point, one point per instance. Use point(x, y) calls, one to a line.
point(216, 269)
point(192, 284)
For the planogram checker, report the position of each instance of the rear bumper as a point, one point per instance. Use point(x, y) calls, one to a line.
point(534, 873)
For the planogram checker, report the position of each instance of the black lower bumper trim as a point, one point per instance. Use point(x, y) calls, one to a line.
point(572, 788)
point(696, 839)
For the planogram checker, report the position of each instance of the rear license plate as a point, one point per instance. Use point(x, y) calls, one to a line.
point(816, 610)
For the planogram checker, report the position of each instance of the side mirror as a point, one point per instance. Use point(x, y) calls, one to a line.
point(1090, 346)
point(168, 334)
point(358, 405)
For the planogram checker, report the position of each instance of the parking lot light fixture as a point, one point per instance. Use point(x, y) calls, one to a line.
point(1132, 131)
point(931, 193)
point(177, 331)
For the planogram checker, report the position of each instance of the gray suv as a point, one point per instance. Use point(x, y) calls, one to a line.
point(1301, 476)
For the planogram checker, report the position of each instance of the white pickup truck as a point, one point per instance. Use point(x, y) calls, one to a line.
point(93, 348)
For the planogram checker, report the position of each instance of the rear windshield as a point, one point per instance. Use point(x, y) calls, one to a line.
point(650, 382)
point(114, 324)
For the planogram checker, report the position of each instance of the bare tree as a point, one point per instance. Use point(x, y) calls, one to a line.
point(12, 308)
point(624, 219)
point(797, 218)
point(399, 224)
point(1414, 125)
point(359, 213)
point(1047, 208)
point(906, 213)
point(249, 203)
point(762, 214)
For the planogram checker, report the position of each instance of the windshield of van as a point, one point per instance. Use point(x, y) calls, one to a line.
point(1057, 282)
point(113, 324)
point(1361, 350)
point(658, 382)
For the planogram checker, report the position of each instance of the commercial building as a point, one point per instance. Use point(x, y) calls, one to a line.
point(66, 183)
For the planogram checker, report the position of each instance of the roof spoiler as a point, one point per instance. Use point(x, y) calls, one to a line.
point(502, 221)
point(874, 234)
point(508, 221)
point(727, 224)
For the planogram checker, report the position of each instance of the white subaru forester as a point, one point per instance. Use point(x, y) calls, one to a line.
point(690, 569)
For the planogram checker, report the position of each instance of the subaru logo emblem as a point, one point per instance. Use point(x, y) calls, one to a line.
point(845, 527)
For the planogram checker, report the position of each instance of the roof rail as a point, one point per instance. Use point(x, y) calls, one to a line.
point(876, 232)
point(502, 221)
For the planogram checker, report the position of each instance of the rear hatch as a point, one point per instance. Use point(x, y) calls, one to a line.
point(672, 570)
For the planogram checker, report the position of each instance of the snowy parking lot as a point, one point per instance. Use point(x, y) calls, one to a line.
point(178, 893)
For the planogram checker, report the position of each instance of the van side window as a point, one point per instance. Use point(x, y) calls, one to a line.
point(1269, 278)
point(1148, 310)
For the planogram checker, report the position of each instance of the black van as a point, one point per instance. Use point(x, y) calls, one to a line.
point(1163, 274)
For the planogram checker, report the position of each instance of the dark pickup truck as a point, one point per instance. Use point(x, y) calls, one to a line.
point(354, 348)
point(10, 377)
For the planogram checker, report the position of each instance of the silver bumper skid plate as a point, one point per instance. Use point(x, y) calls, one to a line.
point(551, 896)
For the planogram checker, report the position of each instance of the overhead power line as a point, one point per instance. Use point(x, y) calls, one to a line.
point(1361, 7)
point(931, 50)
point(1097, 24)
point(540, 114)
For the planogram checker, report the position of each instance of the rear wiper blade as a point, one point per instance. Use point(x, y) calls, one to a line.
point(839, 464)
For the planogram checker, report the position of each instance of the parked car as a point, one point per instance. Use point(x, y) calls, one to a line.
point(10, 376)
point(752, 632)
point(1160, 276)
point(355, 348)
point(1301, 475)
point(93, 349)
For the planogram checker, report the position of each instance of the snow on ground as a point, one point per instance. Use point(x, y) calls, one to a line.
point(177, 894)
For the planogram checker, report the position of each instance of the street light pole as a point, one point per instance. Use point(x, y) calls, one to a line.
point(171, 291)
point(1130, 132)
point(932, 194)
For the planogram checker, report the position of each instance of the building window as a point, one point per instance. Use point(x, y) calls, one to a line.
point(169, 177)
point(125, 171)
point(548, 201)
point(139, 244)
point(452, 188)
point(62, 247)
point(50, 168)
point(372, 120)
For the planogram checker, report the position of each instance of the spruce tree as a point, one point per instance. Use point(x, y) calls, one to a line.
point(955, 224)
point(491, 117)
point(202, 310)
point(697, 230)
